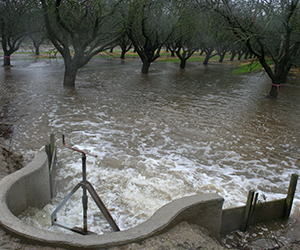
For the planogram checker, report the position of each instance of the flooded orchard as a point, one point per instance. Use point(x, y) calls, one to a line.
point(158, 137)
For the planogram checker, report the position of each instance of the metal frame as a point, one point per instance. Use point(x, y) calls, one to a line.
point(85, 185)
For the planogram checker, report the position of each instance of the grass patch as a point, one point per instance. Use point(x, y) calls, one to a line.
point(176, 59)
point(250, 67)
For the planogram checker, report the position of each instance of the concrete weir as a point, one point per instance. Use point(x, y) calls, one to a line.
point(30, 187)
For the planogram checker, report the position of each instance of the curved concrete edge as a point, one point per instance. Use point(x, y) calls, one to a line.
point(202, 209)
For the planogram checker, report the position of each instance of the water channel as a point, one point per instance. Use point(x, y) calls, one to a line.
point(158, 137)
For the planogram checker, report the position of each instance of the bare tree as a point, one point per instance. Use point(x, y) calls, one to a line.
point(269, 29)
point(186, 38)
point(16, 19)
point(79, 30)
point(149, 27)
point(39, 33)
point(37, 39)
point(123, 40)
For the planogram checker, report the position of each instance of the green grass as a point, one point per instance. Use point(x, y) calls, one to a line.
point(249, 67)
point(176, 59)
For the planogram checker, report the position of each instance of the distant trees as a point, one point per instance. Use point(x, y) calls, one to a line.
point(39, 33)
point(37, 39)
point(224, 41)
point(269, 29)
point(186, 38)
point(149, 26)
point(125, 44)
point(79, 30)
point(16, 23)
point(123, 40)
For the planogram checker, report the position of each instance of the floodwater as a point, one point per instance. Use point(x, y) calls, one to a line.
point(158, 137)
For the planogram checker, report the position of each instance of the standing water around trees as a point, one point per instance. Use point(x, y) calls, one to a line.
point(158, 137)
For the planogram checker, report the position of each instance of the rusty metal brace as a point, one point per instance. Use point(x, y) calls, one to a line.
point(85, 186)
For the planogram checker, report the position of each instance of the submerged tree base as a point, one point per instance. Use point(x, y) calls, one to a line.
point(271, 97)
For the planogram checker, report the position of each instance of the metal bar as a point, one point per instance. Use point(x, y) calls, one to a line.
point(253, 205)
point(52, 142)
point(81, 231)
point(101, 206)
point(63, 225)
point(85, 186)
point(290, 196)
point(74, 229)
point(53, 215)
point(75, 149)
point(248, 210)
point(84, 196)
point(52, 170)
point(48, 152)
point(53, 159)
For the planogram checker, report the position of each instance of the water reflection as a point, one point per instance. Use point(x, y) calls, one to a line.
point(159, 137)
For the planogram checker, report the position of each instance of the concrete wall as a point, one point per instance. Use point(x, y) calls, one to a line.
point(30, 187)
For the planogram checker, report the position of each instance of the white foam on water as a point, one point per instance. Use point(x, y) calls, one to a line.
point(133, 187)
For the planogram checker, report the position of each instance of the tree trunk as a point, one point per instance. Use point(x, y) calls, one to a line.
point(123, 54)
point(205, 62)
point(70, 75)
point(37, 50)
point(233, 54)
point(182, 63)
point(240, 53)
point(278, 78)
point(123, 51)
point(146, 65)
point(222, 55)
point(36, 45)
point(274, 91)
point(6, 61)
point(207, 57)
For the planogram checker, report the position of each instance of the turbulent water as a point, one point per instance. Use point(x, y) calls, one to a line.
point(158, 137)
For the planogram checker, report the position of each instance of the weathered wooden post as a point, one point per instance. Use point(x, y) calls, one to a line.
point(52, 142)
point(51, 153)
point(290, 196)
point(248, 209)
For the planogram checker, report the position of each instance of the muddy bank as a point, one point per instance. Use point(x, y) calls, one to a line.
point(9, 161)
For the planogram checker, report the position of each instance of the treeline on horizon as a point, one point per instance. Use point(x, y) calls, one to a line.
point(269, 30)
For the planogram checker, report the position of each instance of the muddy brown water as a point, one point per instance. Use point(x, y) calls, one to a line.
point(158, 137)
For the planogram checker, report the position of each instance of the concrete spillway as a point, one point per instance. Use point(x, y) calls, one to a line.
point(30, 187)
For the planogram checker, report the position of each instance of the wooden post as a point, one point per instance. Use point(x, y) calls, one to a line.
point(50, 149)
point(290, 197)
point(52, 143)
point(247, 210)
point(48, 152)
